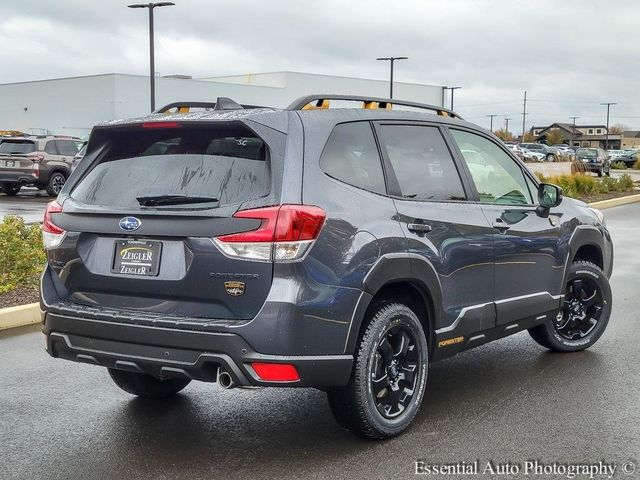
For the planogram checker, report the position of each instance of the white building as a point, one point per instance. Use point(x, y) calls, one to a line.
point(71, 106)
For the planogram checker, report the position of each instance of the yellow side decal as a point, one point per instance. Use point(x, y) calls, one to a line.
point(450, 341)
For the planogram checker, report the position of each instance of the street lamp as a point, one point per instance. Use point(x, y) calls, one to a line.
point(452, 89)
point(152, 75)
point(606, 138)
point(573, 132)
point(391, 60)
point(491, 117)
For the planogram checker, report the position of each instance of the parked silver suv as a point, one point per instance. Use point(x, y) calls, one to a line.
point(43, 162)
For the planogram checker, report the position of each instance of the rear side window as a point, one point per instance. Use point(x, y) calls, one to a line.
point(422, 163)
point(226, 163)
point(50, 147)
point(17, 147)
point(67, 147)
point(351, 156)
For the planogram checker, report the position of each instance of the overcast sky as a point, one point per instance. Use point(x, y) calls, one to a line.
point(569, 55)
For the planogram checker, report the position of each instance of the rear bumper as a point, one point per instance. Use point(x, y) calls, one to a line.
point(171, 353)
point(23, 178)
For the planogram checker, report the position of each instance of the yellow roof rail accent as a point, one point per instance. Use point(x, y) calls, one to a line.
point(375, 105)
point(321, 104)
point(321, 101)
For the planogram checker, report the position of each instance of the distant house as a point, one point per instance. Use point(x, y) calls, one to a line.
point(631, 139)
point(580, 136)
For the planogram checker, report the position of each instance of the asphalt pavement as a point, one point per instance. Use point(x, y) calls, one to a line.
point(29, 203)
point(508, 401)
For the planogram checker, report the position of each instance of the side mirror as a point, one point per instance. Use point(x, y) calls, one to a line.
point(549, 196)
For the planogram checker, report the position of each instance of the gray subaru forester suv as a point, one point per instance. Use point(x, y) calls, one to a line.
point(43, 162)
point(338, 248)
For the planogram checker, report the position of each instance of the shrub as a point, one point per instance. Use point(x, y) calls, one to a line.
point(23, 256)
point(619, 166)
point(581, 185)
point(637, 165)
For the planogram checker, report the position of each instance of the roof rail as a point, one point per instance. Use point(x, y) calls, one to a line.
point(222, 103)
point(323, 101)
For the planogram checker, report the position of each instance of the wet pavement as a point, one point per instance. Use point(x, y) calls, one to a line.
point(509, 401)
point(29, 203)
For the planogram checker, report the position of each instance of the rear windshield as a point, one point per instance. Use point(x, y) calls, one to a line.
point(587, 153)
point(17, 146)
point(226, 163)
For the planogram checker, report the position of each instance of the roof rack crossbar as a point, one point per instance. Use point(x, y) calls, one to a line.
point(320, 100)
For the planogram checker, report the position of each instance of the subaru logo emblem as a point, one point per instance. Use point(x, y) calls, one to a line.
point(130, 224)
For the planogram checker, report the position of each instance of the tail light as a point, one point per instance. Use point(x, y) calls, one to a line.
point(52, 235)
point(35, 157)
point(286, 233)
point(36, 169)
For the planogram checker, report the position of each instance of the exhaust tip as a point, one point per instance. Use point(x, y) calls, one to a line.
point(225, 380)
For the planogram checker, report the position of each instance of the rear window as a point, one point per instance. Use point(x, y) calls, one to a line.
point(17, 147)
point(586, 153)
point(225, 162)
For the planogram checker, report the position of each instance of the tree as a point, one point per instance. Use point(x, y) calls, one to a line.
point(529, 138)
point(504, 135)
point(554, 137)
point(618, 128)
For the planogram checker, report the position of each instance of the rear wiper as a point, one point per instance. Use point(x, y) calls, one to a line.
point(153, 201)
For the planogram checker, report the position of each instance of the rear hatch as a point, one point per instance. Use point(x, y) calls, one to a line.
point(18, 154)
point(143, 210)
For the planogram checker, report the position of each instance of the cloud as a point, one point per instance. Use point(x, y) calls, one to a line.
point(568, 55)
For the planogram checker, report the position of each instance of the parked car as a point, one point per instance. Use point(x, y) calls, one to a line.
point(341, 249)
point(43, 162)
point(629, 157)
point(595, 160)
point(613, 154)
point(533, 156)
point(548, 152)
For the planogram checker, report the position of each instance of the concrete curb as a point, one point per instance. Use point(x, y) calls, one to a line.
point(29, 314)
point(19, 316)
point(615, 202)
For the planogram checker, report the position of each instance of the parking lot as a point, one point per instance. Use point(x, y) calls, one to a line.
point(506, 401)
point(29, 204)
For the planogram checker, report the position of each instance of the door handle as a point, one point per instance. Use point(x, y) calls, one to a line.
point(499, 225)
point(419, 227)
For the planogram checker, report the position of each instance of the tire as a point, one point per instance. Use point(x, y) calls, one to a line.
point(551, 336)
point(11, 189)
point(600, 171)
point(550, 157)
point(355, 406)
point(55, 184)
point(146, 386)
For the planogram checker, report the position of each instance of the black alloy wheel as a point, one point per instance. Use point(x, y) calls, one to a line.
point(583, 306)
point(395, 371)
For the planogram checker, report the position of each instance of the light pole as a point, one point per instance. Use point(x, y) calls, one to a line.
point(491, 117)
point(152, 74)
point(391, 60)
point(506, 119)
point(606, 138)
point(573, 132)
point(452, 89)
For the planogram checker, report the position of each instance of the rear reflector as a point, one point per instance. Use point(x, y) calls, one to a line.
point(285, 234)
point(52, 235)
point(276, 372)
